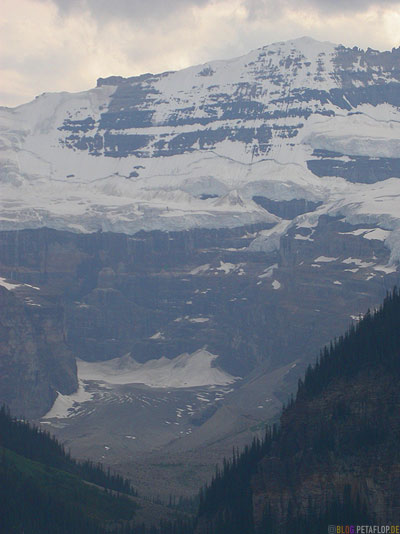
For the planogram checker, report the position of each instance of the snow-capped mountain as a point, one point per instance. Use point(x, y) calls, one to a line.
point(295, 120)
point(257, 205)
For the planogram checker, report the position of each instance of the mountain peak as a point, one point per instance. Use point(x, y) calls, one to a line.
point(307, 45)
point(306, 39)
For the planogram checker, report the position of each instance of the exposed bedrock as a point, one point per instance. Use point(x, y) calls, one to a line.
point(160, 294)
point(35, 362)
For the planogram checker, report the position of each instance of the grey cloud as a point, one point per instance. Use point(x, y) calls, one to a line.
point(352, 5)
point(103, 10)
point(146, 11)
point(257, 8)
point(138, 11)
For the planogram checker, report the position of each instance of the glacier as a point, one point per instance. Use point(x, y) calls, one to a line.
point(293, 120)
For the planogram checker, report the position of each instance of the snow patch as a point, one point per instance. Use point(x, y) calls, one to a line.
point(227, 267)
point(300, 237)
point(379, 234)
point(387, 269)
point(269, 240)
point(324, 259)
point(186, 370)
point(201, 269)
point(269, 271)
point(11, 285)
point(358, 262)
point(8, 285)
point(367, 233)
point(157, 335)
point(65, 405)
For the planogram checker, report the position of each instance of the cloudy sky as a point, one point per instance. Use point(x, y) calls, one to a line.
point(65, 45)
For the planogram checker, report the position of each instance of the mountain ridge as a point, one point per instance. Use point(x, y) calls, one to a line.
point(108, 80)
point(300, 119)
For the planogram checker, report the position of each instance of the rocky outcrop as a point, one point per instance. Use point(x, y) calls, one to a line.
point(35, 362)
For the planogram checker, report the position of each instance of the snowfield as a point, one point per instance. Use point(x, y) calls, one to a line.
point(185, 149)
point(97, 379)
point(184, 371)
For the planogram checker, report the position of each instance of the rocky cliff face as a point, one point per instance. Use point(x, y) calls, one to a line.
point(160, 294)
point(35, 363)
